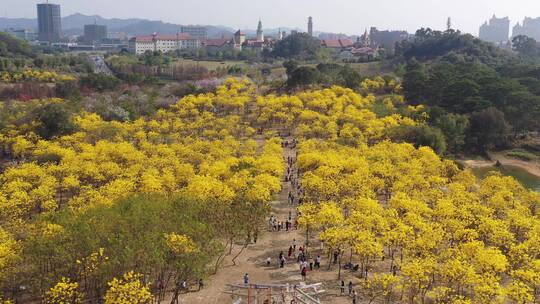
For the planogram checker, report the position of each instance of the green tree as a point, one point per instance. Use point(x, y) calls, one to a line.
point(525, 45)
point(99, 82)
point(454, 128)
point(303, 77)
point(299, 45)
point(488, 129)
point(54, 120)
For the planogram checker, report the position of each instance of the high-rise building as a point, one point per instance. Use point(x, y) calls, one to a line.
point(260, 33)
point(497, 30)
point(199, 32)
point(530, 28)
point(95, 33)
point(310, 26)
point(49, 22)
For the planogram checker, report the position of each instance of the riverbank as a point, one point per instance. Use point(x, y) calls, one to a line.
point(532, 167)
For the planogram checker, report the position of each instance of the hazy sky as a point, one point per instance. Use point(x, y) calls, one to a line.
point(347, 16)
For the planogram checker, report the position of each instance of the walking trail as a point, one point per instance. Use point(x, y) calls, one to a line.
point(269, 244)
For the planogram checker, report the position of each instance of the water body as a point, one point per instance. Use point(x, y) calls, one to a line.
point(525, 178)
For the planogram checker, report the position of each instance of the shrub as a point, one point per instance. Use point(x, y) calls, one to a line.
point(522, 155)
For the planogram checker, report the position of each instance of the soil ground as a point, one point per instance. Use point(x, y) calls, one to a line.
point(269, 244)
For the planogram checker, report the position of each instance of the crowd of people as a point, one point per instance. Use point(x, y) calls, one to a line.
point(296, 253)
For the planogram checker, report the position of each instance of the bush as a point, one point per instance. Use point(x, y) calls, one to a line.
point(522, 155)
point(65, 89)
point(54, 120)
point(422, 135)
point(100, 82)
point(304, 76)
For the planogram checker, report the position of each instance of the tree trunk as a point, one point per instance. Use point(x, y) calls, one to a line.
point(231, 241)
point(218, 262)
point(174, 299)
point(240, 252)
point(339, 265)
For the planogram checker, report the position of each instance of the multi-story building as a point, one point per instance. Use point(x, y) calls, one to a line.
point(386, 39)
point(163, 43)
point(530, 28)
point(239, 38)
point(25, 34)
point(310, 26)
point(198, 32)
point(94, 33)
point(337, 44)
point(497, 30)
point(215, 46)
point(49, 22)
point(117, 35)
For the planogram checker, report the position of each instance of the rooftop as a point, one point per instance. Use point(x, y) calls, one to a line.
point(177, 37)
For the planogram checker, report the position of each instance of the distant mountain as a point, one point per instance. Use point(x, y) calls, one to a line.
point(74, 25)
point(77, 21)
point(17, 23)
point(271, 32)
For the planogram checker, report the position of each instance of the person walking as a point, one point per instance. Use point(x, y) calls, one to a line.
point(271, 222)
point(304, 273)
point(201, 284)
point(183, 286)
point(342, 287)
point(355, 297)
point(366, 272)
point(290, 252)
point(294, 244)
point(318, 262)
point(282, 262)
point(246, 279)
point(350, 287)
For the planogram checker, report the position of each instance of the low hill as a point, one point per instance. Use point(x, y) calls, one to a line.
point(74, 24)
point(13, 47)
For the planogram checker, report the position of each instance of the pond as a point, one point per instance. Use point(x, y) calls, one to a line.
point(527, 179)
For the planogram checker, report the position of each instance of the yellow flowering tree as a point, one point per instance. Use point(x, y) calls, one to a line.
point(129, 289)
point(64, 292)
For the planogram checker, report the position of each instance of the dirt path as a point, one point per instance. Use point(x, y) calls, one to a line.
point(270, 243)
point(533, 167)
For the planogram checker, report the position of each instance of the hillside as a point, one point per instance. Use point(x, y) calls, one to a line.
point(481, 97)
point(74, 24)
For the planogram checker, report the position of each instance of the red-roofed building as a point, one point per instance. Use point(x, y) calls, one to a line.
point(164, 43)
point(213, 46)
point(338, 44)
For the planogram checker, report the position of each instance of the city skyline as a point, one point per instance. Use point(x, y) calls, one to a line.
point(340, 16)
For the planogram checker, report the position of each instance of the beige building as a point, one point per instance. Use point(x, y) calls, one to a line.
point(164, 43)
